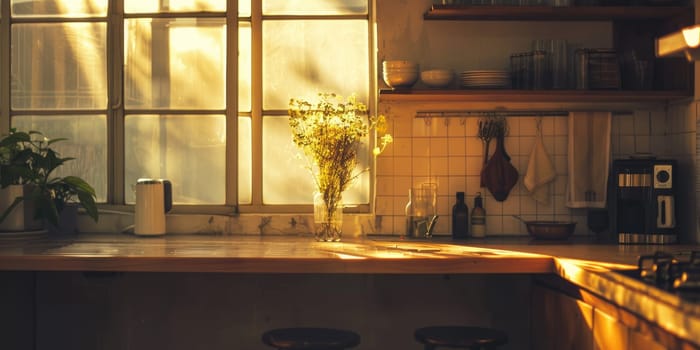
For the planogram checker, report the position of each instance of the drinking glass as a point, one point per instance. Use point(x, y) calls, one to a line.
point(559, 61)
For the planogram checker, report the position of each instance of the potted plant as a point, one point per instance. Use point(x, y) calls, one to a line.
point(14, 175)
point(329, 133)
point(27, 159)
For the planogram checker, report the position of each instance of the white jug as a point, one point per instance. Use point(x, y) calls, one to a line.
point(153, 199)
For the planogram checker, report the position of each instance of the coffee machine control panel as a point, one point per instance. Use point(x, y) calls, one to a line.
point(663, 176)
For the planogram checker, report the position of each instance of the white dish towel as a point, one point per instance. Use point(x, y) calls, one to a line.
point(540, 170)
point(589, 159)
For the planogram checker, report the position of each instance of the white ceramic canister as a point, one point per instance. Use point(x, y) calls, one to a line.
point(153, 201)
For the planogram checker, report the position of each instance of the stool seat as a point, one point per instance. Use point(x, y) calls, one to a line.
point(460, 337)
point(310, 339)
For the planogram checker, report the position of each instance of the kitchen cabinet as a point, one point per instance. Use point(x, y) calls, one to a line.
point(17, 318)
point(634, 28)
point(549, 332)
point(565, 316)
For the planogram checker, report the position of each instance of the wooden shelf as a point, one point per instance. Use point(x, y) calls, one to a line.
point(549, 13)
point(558, 99)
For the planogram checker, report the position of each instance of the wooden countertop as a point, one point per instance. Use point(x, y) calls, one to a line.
point(584, 264)
point(256, 254)
point(300, 254)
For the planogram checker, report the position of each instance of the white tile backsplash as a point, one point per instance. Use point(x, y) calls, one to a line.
point(447, 151)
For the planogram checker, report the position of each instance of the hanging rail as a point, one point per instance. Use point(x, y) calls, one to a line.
point(462, 114)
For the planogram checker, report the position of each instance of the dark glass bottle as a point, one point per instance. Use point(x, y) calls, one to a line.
point(460, 218)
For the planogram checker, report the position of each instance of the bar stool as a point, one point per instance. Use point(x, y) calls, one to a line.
point(310, 339)
point(473, 338)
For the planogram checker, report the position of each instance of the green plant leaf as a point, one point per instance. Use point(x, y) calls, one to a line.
point(14, 139)
point(87, 201)
point(79, 184)
point(52, 141)
point(86, 195)
point(45, 209)
point(9, 209)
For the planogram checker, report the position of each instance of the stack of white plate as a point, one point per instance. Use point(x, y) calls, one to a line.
point(485, 79)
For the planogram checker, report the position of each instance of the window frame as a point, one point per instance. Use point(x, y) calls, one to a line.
point(257, 112)
point(115, 110)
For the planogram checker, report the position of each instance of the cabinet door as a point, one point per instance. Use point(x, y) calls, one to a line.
point(560, 322)
point(608, 332)
point(17, 316)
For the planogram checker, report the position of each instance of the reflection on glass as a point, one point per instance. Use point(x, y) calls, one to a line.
point(286, 177)
point(160, 6)
point(318, 7)
point(245, 161)
point(58, 8)
point(244, 67)
point(303, 57)
point(189, 150)
point(175, 63)
point(87, 143)
point(59, 66)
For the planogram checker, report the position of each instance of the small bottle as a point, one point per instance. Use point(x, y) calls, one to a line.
point(408, 211)
point(478, 217)
point(460, 218)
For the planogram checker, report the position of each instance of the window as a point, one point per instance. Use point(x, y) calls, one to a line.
point(189, 90)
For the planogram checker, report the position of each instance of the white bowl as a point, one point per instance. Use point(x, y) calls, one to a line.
point(400, 80)
point(399, 64)
point(437, 77)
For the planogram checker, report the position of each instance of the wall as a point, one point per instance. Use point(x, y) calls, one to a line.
point(448, 152)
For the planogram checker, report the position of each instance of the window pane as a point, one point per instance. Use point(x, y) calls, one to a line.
point(244, 67)
point(159, 6)
point(318, 7)
point(244, 8)
point(59, 8)
point(189, 150)
point(175, 63)
point(302, 58)
point(245, 161)
point(87, 143)
point(59, 66)
point(286, 178)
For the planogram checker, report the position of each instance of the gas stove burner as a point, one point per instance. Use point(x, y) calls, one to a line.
point(670, 272)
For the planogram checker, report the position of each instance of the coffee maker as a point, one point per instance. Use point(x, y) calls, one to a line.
point(644, 205)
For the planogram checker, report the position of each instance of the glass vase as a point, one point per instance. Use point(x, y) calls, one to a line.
point(328, 219)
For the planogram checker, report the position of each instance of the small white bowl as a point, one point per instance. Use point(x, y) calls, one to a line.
point(437, 77)
point(400, 80)
point(401, 70)
point(399, 64)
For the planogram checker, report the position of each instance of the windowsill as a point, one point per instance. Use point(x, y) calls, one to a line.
point(354, 225)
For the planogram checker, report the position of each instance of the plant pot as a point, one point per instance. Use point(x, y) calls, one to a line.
point(21, 218)
point(67, 221)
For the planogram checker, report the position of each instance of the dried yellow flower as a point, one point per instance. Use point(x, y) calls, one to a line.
point(329, 133)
